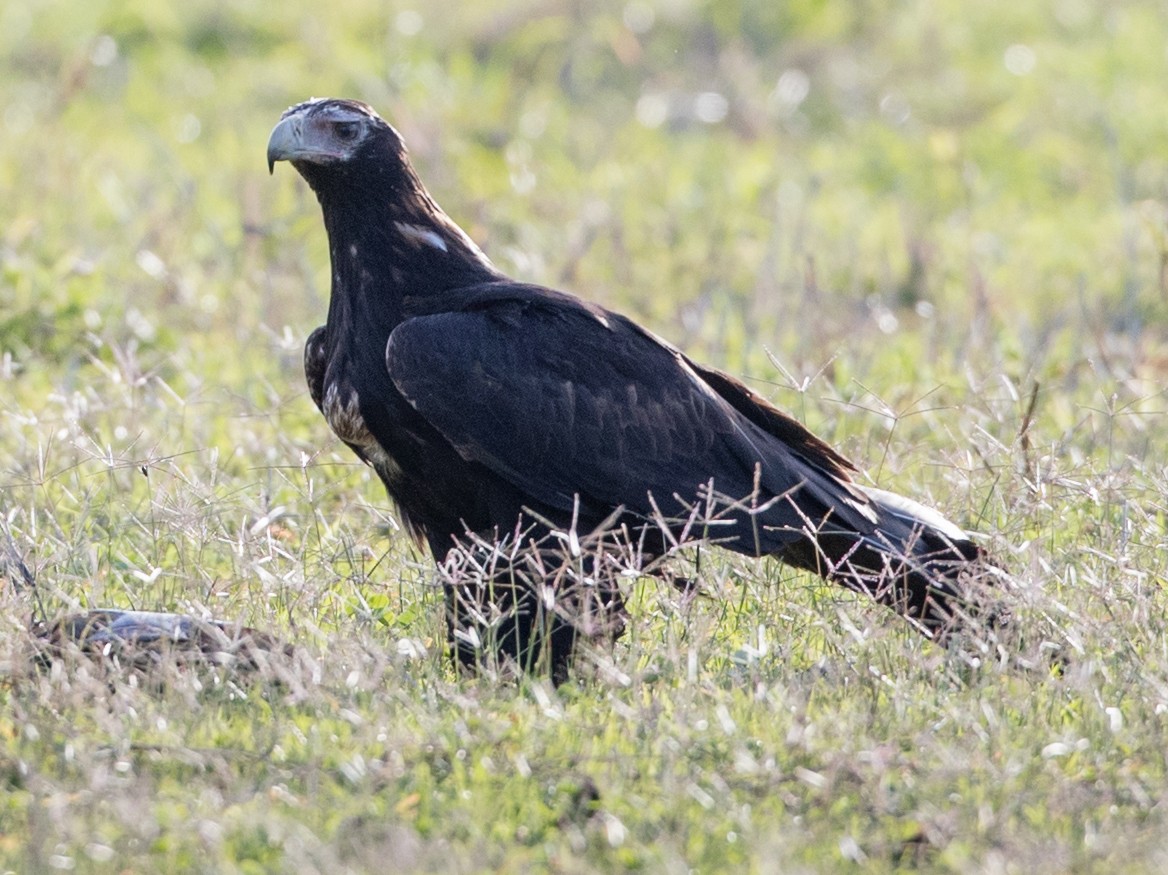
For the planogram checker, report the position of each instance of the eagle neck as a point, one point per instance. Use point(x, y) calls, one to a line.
point(389, 242)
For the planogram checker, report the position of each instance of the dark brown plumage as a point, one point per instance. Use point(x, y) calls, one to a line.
point(482, 402)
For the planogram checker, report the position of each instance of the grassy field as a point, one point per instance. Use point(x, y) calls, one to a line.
point(936, 232)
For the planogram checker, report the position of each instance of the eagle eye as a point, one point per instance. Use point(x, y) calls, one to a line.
point(346, 130)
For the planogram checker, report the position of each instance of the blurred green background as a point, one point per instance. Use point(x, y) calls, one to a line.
point(783, 170)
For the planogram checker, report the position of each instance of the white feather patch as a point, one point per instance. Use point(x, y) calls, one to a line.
point(418, 234)
point(914, 512)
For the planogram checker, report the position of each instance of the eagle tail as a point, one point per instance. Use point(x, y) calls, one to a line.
point(913, 561)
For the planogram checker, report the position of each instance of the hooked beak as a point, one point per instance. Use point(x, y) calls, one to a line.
point(286, 142)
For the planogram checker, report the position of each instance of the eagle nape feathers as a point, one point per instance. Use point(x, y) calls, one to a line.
point(497, 411)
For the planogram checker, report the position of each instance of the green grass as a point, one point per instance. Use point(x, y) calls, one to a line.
point(910, 218)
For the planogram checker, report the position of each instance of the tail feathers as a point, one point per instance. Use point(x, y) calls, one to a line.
point(915, 561)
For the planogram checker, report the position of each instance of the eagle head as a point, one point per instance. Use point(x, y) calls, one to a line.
point(324, 132)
